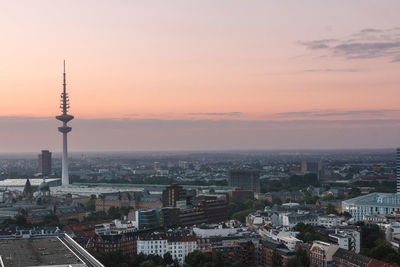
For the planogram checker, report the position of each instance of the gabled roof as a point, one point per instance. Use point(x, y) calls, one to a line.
point(272, 244)
point(352, 257)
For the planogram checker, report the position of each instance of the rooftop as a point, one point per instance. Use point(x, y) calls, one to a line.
point(376, 199)
point(21, 181)
point(37, 252)
point(352, 257)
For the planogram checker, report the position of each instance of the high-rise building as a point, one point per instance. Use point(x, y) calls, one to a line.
point(149, 218)
point(45, 162)
point(245, 179)
point(172, 194)
point(315, 167)
point(398, 169)
point(303, 165)
point(65, 118)
point(157, 166)
point(183, 164)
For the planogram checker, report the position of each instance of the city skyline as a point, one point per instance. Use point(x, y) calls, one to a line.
point(205, 133)
point(190, 76)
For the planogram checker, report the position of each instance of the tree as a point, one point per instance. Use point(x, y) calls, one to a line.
point(51, 220)
point(112, 259)
point(168, 258)
point(114, 213)
point(148, 263)
point(308, 198)
point(296, 182)
point(276, 259)
point(176, 263)
point(384, 251)
point(303, 258)
point(237, 264)
point(20, 220)
point(354, 192)
point(370, 234)
point(196, 259)
point(156, 259)
point(90, 205)
point(308, 233)
point(294, 262)
point(218, 260)
point(330, 209)
point(347, 215)
point(241, 215)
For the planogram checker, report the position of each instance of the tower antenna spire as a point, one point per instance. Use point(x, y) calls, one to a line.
point(64, 129)
point(64, 81)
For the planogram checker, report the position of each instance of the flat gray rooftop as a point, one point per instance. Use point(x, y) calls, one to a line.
point(37, 252)
point(22, 181)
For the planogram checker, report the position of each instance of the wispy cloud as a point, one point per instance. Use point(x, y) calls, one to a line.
point(365, 44)
point(322, 70)
point(319, 44)
point(331, 70)
point(336, 113)
point(216, 114)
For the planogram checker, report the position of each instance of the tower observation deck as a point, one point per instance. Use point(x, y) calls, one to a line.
point(64, 129)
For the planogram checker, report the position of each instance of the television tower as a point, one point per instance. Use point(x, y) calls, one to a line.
point(64, 117)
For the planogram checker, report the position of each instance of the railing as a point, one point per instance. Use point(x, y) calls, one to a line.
point(82, 251)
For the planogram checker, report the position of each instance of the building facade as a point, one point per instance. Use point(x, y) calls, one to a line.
point(45, 162)
point(172, 194)
point(347, 239)
point(159, 244)
point(321, 254)
point(372, 204)
point(136, 200)
point(245, 179)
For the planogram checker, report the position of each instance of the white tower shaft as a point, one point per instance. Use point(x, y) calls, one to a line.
point(65, 175)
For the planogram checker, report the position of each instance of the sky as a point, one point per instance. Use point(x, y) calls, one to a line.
point(201, 75)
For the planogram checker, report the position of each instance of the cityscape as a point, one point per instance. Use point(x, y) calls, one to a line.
point(149, 178)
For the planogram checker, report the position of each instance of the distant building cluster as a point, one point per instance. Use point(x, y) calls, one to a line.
point(181, 219)
point(36, 203)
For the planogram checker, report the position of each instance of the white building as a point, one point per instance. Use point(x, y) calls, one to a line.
point(223, 232)
point(115, 227)
point(178, 246)
point(372, 204)
point(256, 220)
point(287, 238)
point(375, 219)
point(392, 231)
point(290, 219)
point(347, 239)
point(330, 220)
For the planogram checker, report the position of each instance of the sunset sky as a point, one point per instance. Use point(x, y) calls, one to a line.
point(195, 75)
